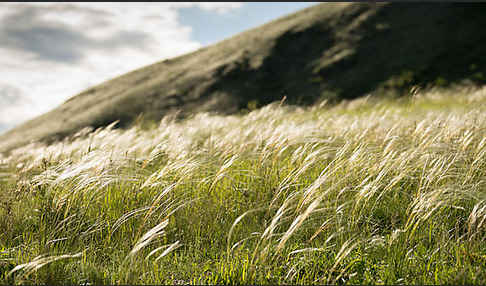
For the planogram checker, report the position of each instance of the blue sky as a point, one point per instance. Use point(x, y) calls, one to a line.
point(208, 29)
point(52, 51)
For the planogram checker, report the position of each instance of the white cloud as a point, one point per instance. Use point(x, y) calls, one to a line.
point(210, 6)
point(52, 51)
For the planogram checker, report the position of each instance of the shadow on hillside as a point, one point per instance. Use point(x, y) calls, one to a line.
point(390, 48)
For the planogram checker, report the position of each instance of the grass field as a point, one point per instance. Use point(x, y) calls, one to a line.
point(368, 191)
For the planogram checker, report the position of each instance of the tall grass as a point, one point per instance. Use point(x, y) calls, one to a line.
point(367, 191)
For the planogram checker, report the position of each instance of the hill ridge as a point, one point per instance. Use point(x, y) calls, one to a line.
point(332, 50)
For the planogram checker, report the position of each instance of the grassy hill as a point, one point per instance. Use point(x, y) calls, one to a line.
point(333, 50)
point(381, 189)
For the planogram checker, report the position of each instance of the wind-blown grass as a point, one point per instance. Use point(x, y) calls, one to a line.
point(368, 191)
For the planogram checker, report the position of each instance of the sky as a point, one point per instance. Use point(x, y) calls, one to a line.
point(50, 52)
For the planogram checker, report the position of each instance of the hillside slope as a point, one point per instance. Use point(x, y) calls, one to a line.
point(333, 50)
